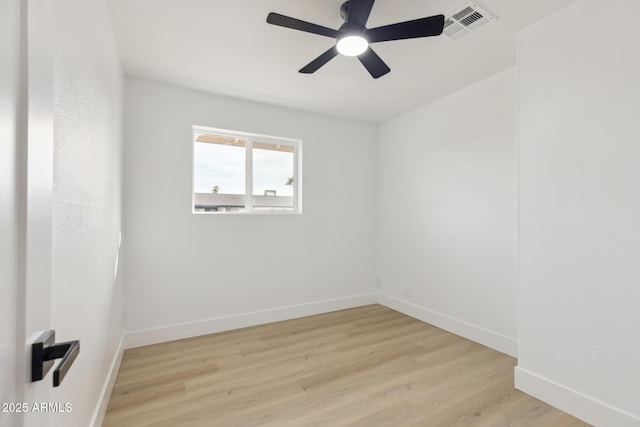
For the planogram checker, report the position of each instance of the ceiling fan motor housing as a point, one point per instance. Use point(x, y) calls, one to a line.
point(350, 28)
point(344, 10)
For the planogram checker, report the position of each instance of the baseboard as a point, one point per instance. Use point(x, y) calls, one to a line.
point(144, 337)
point(107, 388)
point(577, 404)
point(494, 340)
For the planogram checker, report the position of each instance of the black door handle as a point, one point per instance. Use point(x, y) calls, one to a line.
point(44, 351)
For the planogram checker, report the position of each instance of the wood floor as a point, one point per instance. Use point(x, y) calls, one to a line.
point(368, 366)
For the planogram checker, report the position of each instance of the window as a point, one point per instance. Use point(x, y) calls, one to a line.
point(244, 173)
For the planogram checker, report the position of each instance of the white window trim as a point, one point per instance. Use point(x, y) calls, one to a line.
point(249, 138)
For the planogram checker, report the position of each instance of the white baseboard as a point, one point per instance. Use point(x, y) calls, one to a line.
point(144, 337)
point(107, 388)
point(494, 340)
point(577, 404)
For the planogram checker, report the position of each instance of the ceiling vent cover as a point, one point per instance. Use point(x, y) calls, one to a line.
point(470, 18)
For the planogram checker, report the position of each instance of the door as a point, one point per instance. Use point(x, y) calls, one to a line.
point(26, 170)
point(9, 48)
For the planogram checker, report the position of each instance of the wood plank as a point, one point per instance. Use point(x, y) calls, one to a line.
point(358, 367)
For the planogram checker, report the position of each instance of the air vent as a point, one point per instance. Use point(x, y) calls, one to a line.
point(470, 18)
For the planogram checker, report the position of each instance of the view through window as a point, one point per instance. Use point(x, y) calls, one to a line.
point(241, 172)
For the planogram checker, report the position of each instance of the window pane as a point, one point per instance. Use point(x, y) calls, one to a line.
point(273, 180)
point(219, 175)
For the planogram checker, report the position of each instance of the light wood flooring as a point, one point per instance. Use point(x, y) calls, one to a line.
point(368, 366)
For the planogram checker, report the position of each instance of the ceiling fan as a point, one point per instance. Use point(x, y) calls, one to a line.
point(353, 37)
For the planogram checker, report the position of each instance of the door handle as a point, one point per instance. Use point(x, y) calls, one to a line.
point(44, 351)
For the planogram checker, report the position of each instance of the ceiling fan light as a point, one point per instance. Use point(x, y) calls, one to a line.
point(352, 45)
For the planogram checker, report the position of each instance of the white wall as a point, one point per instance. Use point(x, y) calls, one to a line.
point(579, 229)
point(446, 216)
point(87, 300)
point(194, 268)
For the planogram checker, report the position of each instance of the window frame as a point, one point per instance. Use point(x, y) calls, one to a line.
point(249, 139)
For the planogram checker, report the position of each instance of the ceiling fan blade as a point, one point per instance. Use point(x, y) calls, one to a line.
point(359, 11)
point(373, 63)
point(297, 24)
point(315, 65)
point(423, 27)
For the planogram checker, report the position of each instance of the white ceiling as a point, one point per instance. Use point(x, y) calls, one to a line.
point(226, 47)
